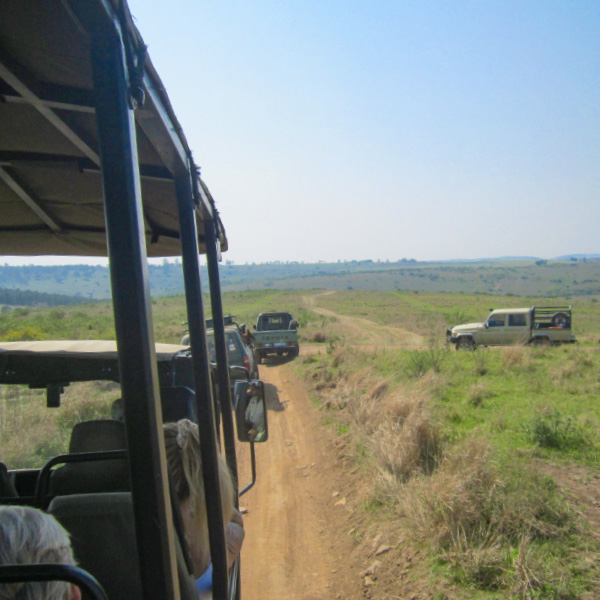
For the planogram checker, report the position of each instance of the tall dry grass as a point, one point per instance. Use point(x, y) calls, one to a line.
point(482, 520)
point(394, 423)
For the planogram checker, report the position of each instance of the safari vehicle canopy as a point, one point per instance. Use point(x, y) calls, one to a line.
point(93, 162)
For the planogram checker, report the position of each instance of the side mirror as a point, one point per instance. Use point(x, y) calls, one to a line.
point(294, 324)
point(250, 411)
point(486, 324)
point(254, 327)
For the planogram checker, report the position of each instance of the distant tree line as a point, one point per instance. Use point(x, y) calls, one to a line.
point(29, 298)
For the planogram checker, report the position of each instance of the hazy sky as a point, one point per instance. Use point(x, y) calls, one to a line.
point(346, 129)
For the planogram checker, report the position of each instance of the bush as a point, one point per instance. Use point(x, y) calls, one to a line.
point(488, 522)
point(419, 362)
point(481, 362)
point(549, 429)
point(407, 445)
point(26, 333)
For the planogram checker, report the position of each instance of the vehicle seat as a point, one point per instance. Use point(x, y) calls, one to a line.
point(98, 476)
point(7, 487)
point(102, 532)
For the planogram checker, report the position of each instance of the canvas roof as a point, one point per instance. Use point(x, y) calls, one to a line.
point(51, 198)
point(90, 349)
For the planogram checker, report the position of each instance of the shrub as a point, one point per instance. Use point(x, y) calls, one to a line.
point(419, 362)
point(453, 502)
point(481, 362)
point(470, 498)
point(408, 444)
point(483, 519)
point(550, 429)
point(26, 333)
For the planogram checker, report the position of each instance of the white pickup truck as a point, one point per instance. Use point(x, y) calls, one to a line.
point(542, 325)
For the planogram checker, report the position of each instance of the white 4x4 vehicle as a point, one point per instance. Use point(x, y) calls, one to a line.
point(509, 326)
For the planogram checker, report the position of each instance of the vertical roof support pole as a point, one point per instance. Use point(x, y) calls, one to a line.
point(212, 262)
point(133, 319)
point(202, 382)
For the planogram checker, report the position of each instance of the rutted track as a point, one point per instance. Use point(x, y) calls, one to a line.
point(366, 332)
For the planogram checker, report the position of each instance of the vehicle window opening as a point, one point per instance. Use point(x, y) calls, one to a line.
point(517, 320)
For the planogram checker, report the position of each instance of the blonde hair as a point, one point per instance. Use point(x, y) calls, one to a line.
point(182, 444)
point(29, 536)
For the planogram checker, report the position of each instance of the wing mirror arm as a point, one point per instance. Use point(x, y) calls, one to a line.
point(253, 465)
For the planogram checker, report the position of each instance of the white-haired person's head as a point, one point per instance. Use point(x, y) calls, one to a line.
point(30, 536)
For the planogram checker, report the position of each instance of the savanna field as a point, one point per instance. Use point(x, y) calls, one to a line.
point(485, 461)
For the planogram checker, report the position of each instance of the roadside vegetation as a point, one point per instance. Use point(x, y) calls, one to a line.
point(483, 460)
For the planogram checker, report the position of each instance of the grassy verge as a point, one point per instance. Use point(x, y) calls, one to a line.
point(456, 446)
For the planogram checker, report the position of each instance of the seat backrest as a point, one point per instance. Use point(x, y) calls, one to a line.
point(102, 533)
point(7, 487)
point(98, 476)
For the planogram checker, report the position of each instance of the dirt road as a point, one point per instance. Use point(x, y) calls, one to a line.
point(293, 526)
point(364, 331)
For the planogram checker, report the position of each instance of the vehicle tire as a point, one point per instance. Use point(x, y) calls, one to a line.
point(559, 318)
point(465, 343)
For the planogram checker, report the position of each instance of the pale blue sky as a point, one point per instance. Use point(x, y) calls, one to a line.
point(355, 129)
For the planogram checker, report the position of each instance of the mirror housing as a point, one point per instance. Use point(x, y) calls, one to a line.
point(294, 324)
point(250, 411)
point(53, 392)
